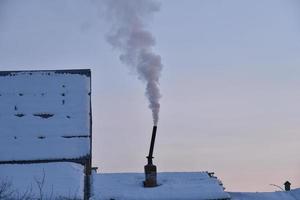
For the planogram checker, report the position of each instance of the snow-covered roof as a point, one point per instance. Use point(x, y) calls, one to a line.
point(52, 180)
point(282, 195)
point(45, 115)
point(173, 186)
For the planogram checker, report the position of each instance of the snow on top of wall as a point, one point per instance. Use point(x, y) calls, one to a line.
point(290, 195)
point(60, 179)
point(44, 105)
point(173, 186)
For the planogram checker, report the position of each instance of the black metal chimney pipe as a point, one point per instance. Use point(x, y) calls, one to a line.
point(150, 169)
point(150, 155)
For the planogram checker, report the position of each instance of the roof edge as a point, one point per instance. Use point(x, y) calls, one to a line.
point(86, 72)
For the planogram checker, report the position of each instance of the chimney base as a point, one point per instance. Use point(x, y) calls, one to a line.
point(150, 176)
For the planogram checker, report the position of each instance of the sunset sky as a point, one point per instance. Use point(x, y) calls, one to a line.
point(230, 84)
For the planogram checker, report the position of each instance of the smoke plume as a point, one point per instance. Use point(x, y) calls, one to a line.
point(129, 34)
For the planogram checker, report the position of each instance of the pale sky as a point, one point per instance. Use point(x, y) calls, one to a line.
point(230, 84)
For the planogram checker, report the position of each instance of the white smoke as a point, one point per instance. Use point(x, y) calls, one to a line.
point(128, 34)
